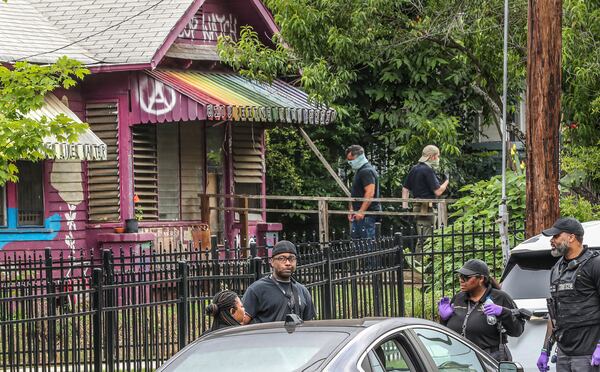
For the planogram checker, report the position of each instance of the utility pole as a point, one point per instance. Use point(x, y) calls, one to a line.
point(544, 42)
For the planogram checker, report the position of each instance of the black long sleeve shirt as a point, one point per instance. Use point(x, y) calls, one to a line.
point(477, 329)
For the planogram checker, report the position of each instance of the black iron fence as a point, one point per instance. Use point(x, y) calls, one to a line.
point(131, 309)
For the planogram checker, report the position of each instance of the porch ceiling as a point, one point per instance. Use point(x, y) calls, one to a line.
point(229, 96)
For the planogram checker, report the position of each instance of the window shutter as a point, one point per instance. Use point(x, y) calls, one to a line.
point(145, 170)
point(103, 176)
point(248, 160)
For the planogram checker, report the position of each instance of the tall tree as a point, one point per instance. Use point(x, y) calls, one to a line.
point(543, 113)
point(22, 89)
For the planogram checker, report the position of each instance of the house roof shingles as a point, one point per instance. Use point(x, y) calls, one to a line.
point(27, 34)
point(112, 32)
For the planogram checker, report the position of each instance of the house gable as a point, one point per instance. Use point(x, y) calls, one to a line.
point(198, 39)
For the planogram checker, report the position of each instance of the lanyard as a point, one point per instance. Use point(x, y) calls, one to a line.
point(469, 311)
point(293, 299)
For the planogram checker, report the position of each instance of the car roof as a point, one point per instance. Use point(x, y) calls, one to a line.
point(352, 326)
point(540, 243)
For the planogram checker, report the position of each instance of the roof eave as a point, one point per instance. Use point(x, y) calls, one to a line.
point(266, 14)
point(174, 33)
point(117, 68)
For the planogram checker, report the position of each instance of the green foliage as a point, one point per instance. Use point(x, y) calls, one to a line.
point(400, 74)
point(480, 204)
point(579, 207)
point(22, 89)
point(403, 74)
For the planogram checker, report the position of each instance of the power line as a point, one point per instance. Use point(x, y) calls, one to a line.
point(92, 35)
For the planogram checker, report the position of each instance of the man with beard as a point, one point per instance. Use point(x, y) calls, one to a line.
point(423, 183)
point(271, 298)
point(574, 306)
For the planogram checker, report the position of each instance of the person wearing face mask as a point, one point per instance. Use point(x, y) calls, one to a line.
point(365, 185)
point(574, 305)
point(423, 183)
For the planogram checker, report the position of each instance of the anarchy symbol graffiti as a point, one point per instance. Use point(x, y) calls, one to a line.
point(160, 101)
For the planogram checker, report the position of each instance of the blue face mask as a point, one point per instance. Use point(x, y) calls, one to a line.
point(358, 162)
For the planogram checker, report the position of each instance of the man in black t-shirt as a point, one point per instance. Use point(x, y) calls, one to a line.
point(422, 183)
point(271, 298)
point(365, 185)
point(574, 306)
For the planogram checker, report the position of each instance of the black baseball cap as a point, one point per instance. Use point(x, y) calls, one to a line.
point(566, 224)
point(474, 267)
point(283, 246)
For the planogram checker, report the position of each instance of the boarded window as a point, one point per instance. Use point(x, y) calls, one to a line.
point(167, 138)
point(103, 176)
point(168, 170)
point(192, 175)
point(30, 194)
point(248, 163)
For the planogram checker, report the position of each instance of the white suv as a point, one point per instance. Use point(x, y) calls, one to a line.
point(526, 278)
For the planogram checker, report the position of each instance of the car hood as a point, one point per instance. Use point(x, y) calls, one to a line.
point(591, 238)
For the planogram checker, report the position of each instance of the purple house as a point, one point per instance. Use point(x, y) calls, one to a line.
point(168, 123)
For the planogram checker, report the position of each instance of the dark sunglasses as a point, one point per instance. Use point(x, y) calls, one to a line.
point(465, 278)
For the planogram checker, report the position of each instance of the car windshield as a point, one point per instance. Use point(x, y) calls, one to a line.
point(258, 352)
point(529, 277)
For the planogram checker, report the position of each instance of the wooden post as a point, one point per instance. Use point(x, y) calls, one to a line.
point(244, 225)
point(323, 221)
point(442, 213)
point(205, 209)
point(543, 114)
point(320, 156)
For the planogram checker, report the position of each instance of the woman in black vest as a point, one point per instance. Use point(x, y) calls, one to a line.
point(480, 297)
point(226, 310)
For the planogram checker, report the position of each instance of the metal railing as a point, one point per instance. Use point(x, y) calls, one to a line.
point(132, 309)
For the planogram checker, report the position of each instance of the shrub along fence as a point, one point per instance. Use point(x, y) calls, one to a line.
point(132, 309)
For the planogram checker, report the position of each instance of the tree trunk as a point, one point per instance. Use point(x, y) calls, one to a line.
point(543, 113)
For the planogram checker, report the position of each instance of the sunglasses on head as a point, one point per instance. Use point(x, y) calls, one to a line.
point(465, 278)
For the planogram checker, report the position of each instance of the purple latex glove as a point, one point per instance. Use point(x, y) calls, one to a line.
point(445, 308)
point(596, 356)
point(542, 362)
point(492, 309)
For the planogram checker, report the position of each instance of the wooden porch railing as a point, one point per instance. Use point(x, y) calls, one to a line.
point(323, 209)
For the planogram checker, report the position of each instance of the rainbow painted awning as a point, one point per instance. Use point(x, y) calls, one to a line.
point(228, 96)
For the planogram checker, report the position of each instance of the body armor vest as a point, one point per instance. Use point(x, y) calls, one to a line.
point(571, 307)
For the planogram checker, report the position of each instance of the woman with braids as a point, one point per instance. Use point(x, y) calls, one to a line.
point(481, 312)
point(226, 310)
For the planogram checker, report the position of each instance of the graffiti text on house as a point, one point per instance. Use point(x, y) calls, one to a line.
point(207, 27)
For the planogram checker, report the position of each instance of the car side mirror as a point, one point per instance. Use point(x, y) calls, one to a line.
point(509, 367)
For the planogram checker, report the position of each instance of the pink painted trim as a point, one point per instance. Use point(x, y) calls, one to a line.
point(125, 158)
point(46, 175)
point(11, 195)
point(175, 31)
point(263, 187)
point(148, 224)
point(126, 237)
point(117, 68)
point(266, 15)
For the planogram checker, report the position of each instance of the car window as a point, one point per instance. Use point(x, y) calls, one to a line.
point(536, 277)
point(390, 356)
point(448, 353)
point(262, 352)
point(372, 363)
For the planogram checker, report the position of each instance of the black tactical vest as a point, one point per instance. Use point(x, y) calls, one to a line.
point(571, 307)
